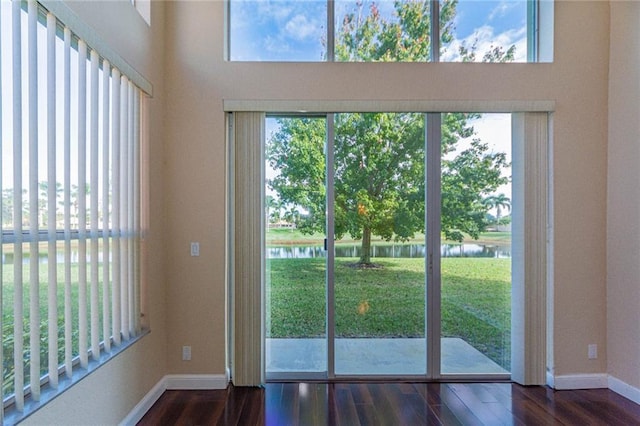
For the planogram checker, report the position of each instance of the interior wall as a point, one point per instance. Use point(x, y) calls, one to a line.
point(623, 201)
point(198, 80)
point(109, 394)
point(187, 180)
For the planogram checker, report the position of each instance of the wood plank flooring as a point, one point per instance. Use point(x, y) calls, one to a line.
point(354, 404)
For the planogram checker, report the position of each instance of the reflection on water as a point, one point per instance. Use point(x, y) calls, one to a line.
point(393, 250)
point(43, 257)
point(307, 252)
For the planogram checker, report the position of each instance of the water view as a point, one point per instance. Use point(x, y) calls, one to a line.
point(394, 251)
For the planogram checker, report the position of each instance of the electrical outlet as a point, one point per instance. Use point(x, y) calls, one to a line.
point(195, 249)
point(186, 353)
point(592, 351)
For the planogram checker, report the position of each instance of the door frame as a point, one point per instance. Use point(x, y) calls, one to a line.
point(535, 138)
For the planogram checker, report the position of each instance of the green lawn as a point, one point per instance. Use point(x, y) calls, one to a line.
point(389, 302)
point(8, 290)
point(386, 302)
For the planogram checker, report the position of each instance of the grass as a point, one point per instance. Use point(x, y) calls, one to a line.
point(389, 302)
point(8, 297)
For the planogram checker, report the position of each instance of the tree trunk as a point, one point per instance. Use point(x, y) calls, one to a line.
point(365, 249)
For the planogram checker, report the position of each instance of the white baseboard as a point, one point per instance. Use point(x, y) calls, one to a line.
point(581, 381)
point(594, 381)
point(174, 382)
point(221, 381)
point(624, 389)
point(196, 381)
point(145, 404)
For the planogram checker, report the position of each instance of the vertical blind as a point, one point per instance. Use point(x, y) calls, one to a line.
point(69, 174)
point(248, 239)
point(531, 225)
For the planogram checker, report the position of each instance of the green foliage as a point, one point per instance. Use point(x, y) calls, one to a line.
point(366, 36)
point(466, 180)
point(495, 54)
point(379, 157)
point(297, 152)
point(379, 180)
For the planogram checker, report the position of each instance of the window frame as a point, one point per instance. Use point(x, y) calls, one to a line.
point(540, 33)
point(61, 24)
point(532, 281)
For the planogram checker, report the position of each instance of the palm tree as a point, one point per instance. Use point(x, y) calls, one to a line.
point(43, 200)
point(273, 209)
point(498, 202)
point(292, 216)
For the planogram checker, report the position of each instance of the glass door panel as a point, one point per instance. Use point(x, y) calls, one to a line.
point(379, 271)
point(295, 285)
point(360, 309)
point(476, 247)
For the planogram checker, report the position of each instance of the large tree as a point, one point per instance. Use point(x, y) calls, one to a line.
point(379, 157)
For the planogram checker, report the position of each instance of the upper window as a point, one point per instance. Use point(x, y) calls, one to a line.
point(286, 30)
point(483, 31)
point(144, 9)
point(388, 31)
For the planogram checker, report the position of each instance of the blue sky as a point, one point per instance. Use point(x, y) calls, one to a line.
point(279, 30)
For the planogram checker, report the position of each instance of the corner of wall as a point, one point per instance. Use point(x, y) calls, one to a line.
point(623, 199)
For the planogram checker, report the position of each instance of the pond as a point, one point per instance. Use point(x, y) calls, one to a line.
point(43, 256)
point(392, 250)
point(342, 250)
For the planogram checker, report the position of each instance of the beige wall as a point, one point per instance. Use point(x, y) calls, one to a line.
point(623, 231)
point(186, 295)
point(119, 385)
point(198, 80)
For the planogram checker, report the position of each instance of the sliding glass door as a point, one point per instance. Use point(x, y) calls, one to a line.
point(379, 267)
point(370, 221)
point(296, 261)
point(475, 266)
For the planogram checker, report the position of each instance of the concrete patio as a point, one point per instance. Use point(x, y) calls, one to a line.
point(398, 356)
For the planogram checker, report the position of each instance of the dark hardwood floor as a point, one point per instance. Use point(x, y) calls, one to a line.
point(392, 404)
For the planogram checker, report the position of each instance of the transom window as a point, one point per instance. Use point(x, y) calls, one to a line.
point(389, 31)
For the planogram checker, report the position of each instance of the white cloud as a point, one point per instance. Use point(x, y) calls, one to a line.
point(501, 9)
point(276, 45)
point(300, 27)
point(484, 39)
point(276, 10)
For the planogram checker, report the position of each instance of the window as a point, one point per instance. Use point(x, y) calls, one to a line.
point(277, 31)
point(70, 207)
point(384, 260)
point(391, 31)
point(483, 31)
point(144, 9)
